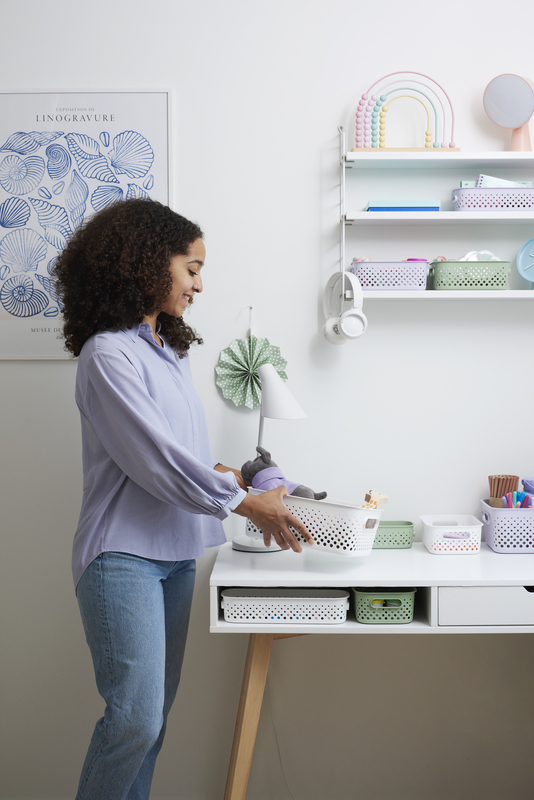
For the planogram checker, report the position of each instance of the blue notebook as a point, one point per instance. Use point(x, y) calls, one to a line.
point(399, 205)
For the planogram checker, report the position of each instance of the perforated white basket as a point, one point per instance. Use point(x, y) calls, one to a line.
point(451, 534)
point(286, 606)
point(508, 530)
point(509, 199)
point(382, 276)
point(337, 528)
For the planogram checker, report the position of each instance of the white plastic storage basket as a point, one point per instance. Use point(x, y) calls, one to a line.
point(508, 530)
point(508, 199)
point(451, 534)
point(291, 606)
point(382, 276)
point(337, 528)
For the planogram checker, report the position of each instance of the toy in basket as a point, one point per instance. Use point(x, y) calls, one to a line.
point(338, 528)
point(508, 530)
point(451, 534)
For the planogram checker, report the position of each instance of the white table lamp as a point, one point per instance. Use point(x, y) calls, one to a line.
point(277, 402)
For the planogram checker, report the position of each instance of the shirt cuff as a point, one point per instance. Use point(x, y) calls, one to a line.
point(234, 501)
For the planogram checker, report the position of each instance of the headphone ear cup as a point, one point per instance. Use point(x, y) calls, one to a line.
point(331, 331)
point(352, 323)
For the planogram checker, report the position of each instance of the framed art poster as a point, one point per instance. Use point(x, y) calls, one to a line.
point(63, 156)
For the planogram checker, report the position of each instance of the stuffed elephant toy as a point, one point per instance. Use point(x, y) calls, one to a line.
point(263, 473)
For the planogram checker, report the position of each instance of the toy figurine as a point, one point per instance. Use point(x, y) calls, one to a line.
point(263, 473)
point(374, 499)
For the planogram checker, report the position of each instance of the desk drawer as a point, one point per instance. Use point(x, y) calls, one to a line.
point(486, 605)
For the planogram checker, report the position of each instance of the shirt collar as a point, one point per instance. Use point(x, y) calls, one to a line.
point(143, 329)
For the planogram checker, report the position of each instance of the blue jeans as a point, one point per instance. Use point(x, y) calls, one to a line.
point(135, 613)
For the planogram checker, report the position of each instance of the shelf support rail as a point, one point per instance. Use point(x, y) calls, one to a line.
point(342, 205)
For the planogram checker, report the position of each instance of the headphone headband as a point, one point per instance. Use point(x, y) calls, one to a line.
point(328, 297)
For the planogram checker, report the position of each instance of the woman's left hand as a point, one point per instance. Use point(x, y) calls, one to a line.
point(239, 478)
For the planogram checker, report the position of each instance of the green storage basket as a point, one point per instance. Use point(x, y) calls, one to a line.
point(470, 275)
point(394, 534)
point(380, 606)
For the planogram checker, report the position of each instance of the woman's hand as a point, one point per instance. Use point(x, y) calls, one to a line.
point(269, 513)
point(239, 478)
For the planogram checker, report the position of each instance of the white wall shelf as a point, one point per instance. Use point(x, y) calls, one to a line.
point(384, 174)
point(440, 218)
point(507, 294)
point(439, 160)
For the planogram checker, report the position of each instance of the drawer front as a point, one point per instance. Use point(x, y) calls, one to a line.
point(485, 605)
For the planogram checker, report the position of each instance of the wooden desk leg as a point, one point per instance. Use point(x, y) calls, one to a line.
point(248, 714)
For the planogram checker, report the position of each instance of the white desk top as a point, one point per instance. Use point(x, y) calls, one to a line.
point(411, 567)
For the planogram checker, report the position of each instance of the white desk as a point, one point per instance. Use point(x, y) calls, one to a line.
point(481, 593)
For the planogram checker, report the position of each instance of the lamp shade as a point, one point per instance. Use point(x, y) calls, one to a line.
point(277, 402)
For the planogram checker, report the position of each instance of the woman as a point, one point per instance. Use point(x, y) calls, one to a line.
point(152, 497)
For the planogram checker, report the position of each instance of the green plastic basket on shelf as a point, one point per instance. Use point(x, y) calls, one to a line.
point(470, 275)
point(394, 534)
point(384, 606)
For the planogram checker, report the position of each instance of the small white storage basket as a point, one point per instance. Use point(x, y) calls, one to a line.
point(508, 199)
point(451, 534)
point(382, 276)
point(286, 606)
point(337, 528)
point(508, 530)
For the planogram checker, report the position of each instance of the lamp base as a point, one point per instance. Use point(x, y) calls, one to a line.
point(249, 545)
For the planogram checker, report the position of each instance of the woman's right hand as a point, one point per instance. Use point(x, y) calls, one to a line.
point(268, 512)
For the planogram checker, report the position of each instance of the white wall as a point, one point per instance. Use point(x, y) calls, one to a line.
point(434, 398)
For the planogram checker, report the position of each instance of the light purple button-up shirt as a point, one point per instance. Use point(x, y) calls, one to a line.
point(149, 484)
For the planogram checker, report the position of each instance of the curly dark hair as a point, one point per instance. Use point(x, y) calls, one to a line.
point(114, 271)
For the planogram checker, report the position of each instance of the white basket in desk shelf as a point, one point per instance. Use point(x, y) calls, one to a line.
point(338, 528)
point(287, 606)
point(451, 534)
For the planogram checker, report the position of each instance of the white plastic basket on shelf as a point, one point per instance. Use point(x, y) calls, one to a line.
point(382, 276)
point(337, 528)
point(451, 534)
point(509, 199)
point(291, 606)
point(508, 530)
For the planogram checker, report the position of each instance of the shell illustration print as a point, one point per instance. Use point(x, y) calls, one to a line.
point(25, 143)
point(91, 163)
point(50, 182)
point(105, 195)
point(22, 250)
point(21, 297)
point(20, 176)
point(54, 221)
point(75, 199)
point(59, 161)
point(14, 213)
point(131, 155)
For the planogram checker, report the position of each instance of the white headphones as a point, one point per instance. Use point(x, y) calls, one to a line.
point(351, 323)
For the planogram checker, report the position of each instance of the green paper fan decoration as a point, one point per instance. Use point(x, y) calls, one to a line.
point(237, 369)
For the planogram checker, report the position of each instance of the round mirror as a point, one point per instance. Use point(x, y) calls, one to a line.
point(509, 103)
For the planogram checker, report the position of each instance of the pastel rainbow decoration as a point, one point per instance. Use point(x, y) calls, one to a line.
point(382, 117)
point(369, 116)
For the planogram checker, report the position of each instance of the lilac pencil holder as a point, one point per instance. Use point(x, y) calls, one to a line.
point(508, 530)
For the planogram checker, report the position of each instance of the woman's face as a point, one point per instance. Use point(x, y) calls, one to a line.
point(186, 280)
